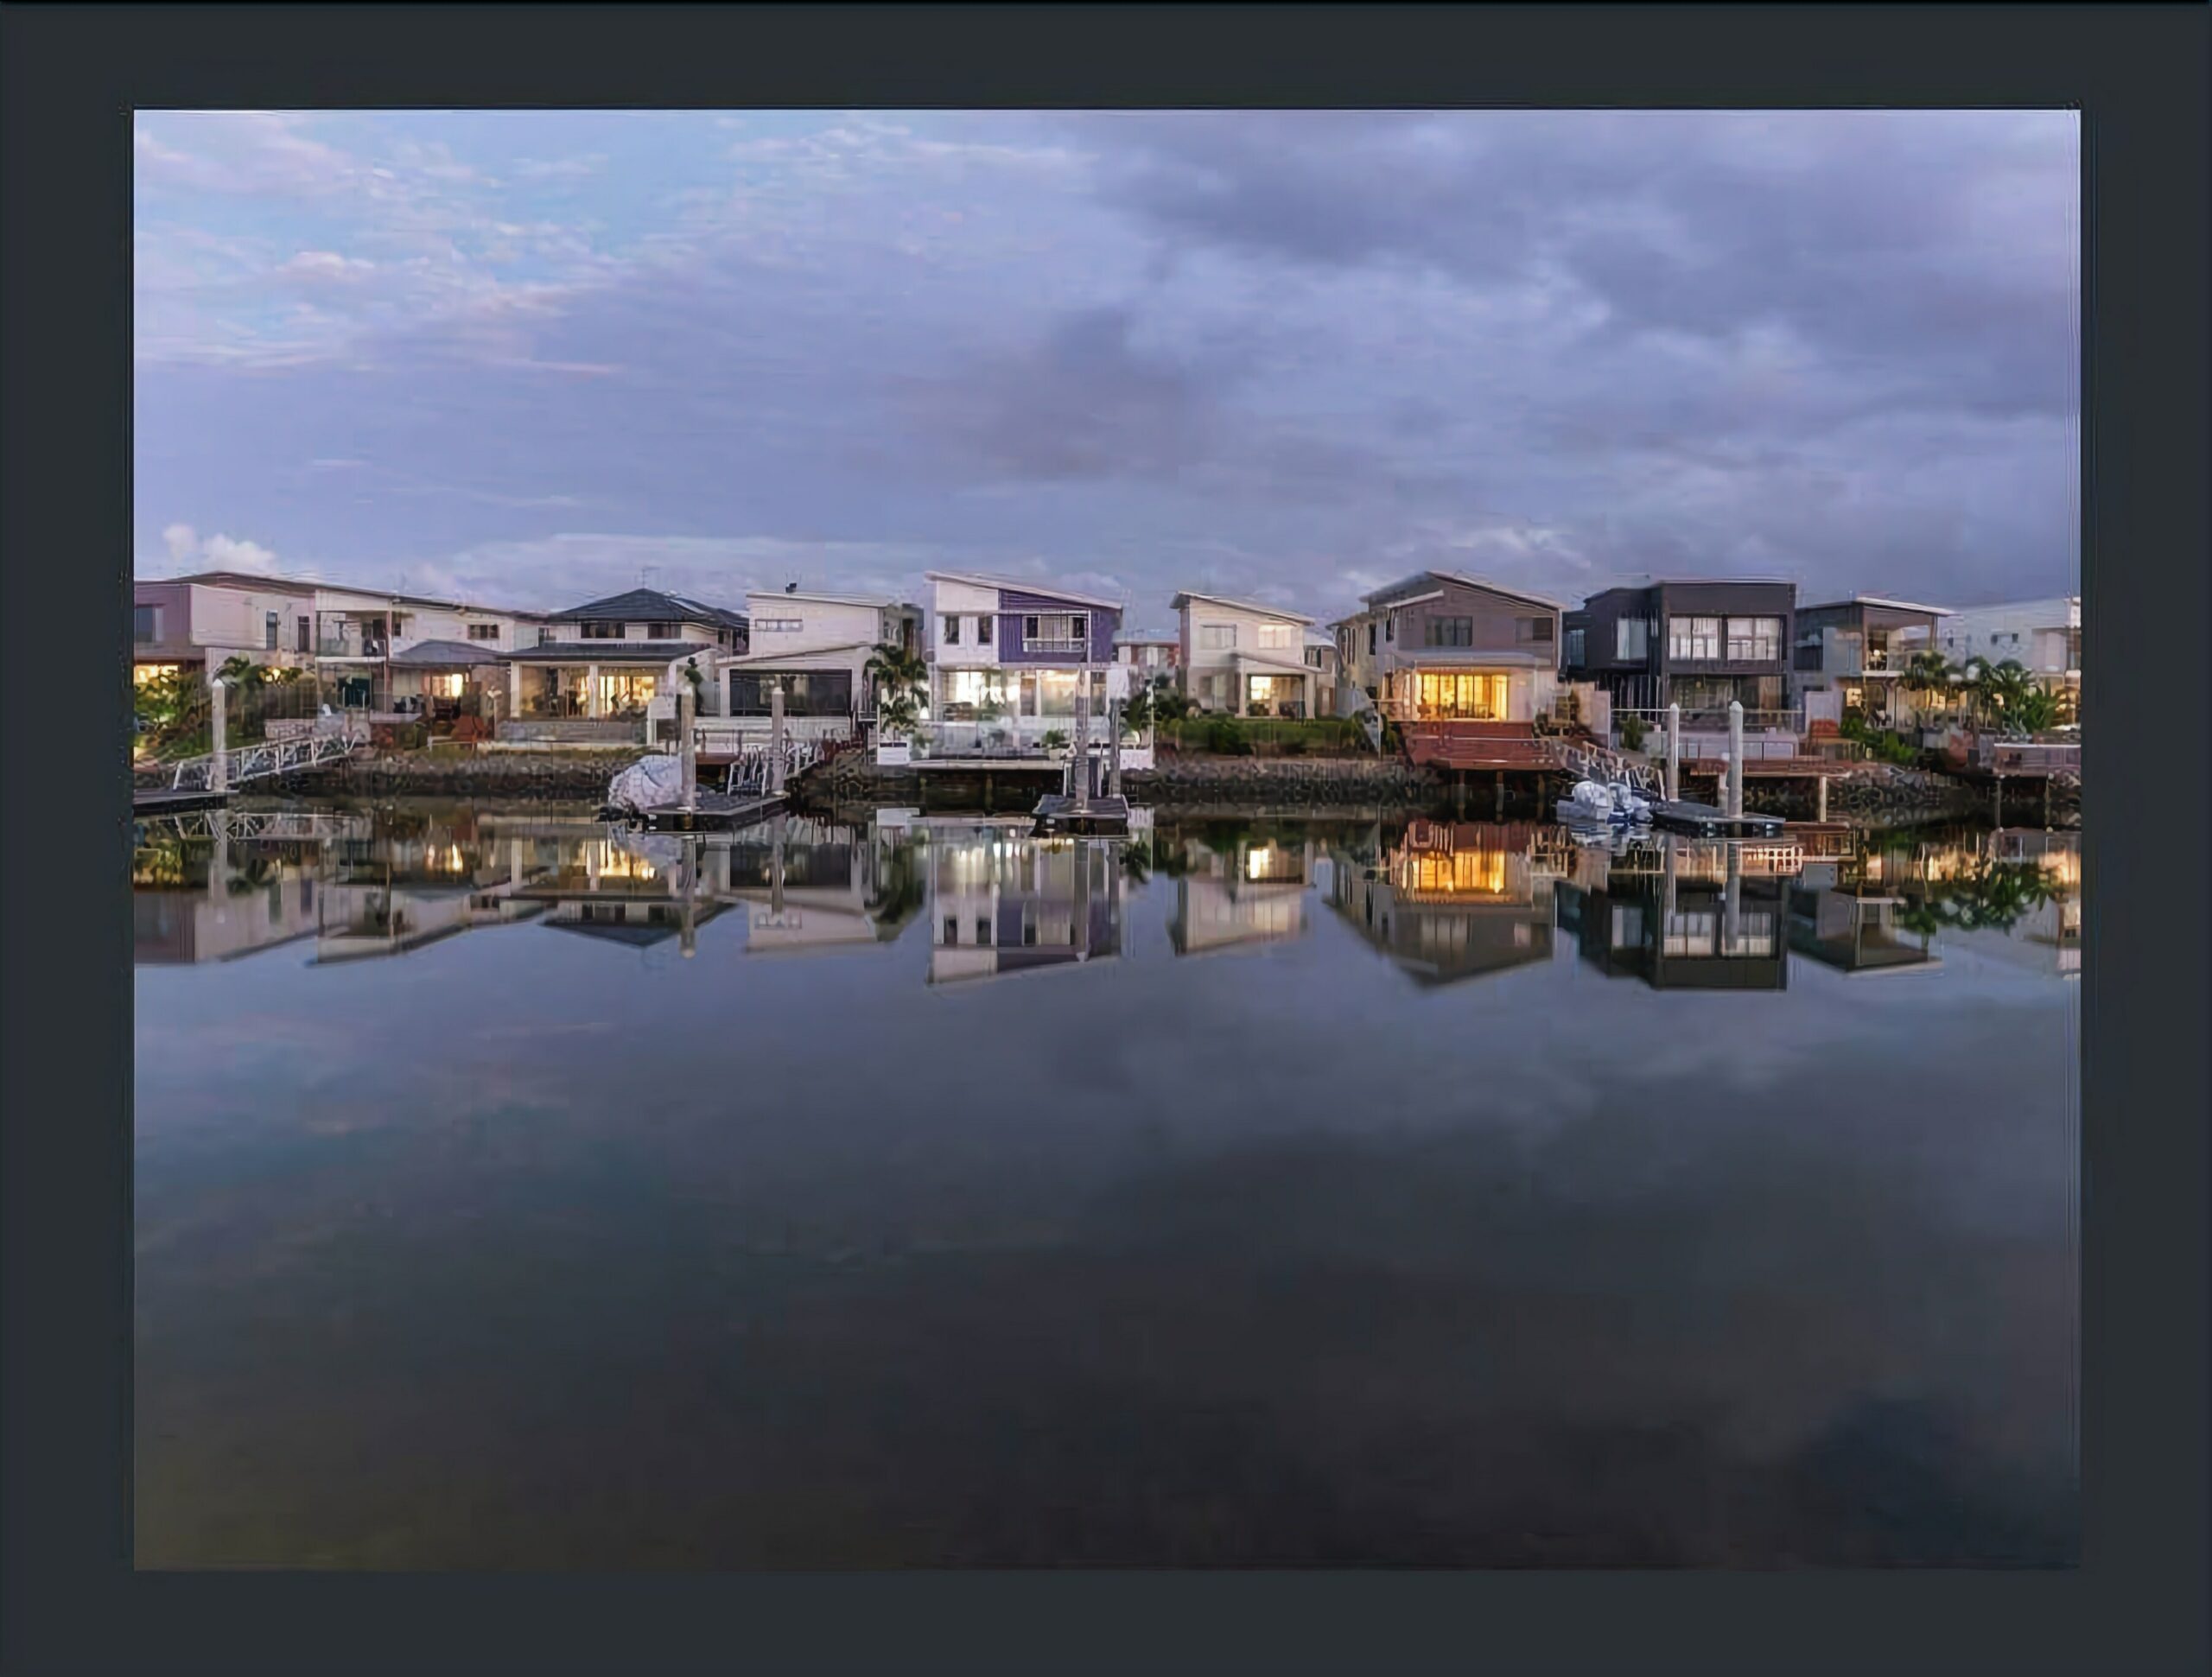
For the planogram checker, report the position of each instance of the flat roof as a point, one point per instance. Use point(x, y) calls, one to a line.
point(1879, 599)
point(880, 602)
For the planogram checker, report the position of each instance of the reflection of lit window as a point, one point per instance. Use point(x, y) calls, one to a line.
point(1691, 934)
point(1257, 861)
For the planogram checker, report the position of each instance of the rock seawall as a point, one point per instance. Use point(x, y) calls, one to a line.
point(1179, 782)
point(568, 777)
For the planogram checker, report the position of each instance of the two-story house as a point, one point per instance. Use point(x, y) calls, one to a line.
point(1010, 656)
point(1243, 658)
point(198, 623)
point(1701, 645)
point(816, 647)
point(608, 658)
point(1854, 653)
point(1446, 647)
point(2042, 636)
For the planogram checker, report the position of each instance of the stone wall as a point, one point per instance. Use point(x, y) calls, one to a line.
point(566, 777)
point(1179, 782)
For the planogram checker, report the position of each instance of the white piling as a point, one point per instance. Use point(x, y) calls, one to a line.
point(688, 747)
point(1674, 753)
point(219, 770)
point(1820, 798)
point(1079, 766)
point(1114, 750)
point(775, 737)
point(1735, 760)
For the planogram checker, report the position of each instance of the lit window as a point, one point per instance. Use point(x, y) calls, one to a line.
point(1274, 635)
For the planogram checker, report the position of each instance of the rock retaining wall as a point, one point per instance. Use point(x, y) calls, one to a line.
point(566, 777)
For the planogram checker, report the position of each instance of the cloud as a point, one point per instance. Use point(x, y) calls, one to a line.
point(327, 266)
point(560, 169)
point(187, 550)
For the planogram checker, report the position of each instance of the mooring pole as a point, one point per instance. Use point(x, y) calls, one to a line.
point(686, 705)
point(1497, 809)
point(1735, 760)
point(1674, 753)
point(1079, 768)
point(219, 770)
point(776, 737)
point(1731, 916)
point(1114, 749)
point(1821, 798)
point(776, 865)
point(690, 940)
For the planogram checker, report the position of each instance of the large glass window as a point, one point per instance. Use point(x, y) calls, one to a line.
point(1632, 639)
point(1448, 632)
point(145, 623)
point(1574, 637)
point(1536, 630)
point(967, 691)
point(1056, 631)
point(1276, 635)
point(1450, 695)
point(1056, 690)
point(1217, 637)
point(806, 692)
point(1694, 637)
point(1755, 639)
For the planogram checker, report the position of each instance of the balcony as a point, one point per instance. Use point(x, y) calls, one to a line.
point(1071, 648)
point(338, 646)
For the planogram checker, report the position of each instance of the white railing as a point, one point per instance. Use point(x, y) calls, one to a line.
point(748, 771)
point(2029, 757)
point(271, 757)
point(1705, 718)
point(1609, 767)
point(1079, 646)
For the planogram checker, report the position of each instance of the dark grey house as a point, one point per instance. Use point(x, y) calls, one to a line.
point(1861, 648)
point(1698, 644)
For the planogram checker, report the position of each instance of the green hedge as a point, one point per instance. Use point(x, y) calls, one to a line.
point(1252, 736)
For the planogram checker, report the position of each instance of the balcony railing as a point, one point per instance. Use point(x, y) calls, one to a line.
point(338, 646)
point(1077, 647)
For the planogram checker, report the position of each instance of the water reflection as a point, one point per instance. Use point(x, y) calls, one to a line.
point(1441, 901)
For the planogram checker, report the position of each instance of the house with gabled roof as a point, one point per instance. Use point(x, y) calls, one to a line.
point(1244, 658)
point(609, 658)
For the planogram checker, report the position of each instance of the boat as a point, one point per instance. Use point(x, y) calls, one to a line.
point(1595, 804)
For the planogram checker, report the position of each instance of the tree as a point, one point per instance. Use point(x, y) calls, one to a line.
point(241, 674)
point(1169, 702)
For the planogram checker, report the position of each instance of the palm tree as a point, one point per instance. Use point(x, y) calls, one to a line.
point(895, 672)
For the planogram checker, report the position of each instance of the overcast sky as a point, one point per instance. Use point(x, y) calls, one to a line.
point(534, 357)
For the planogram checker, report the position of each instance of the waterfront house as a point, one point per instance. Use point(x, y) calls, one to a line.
point(1147, 656)
point(2042, 636)
point(606, 660)
point(1699, 643)
point(1447, 647)
point(816, 646)
point(1244, 659)
point(1851, 656)
point(1007, 657)
point(1002, 903)
point(1682, 917)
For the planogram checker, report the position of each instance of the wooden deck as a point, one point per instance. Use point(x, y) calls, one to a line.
point(1506, 746)
point(1705, 821)
point(716, 812)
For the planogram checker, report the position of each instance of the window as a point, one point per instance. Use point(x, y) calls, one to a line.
point(965, 691)
point(1755, 639)
point(1390, 627)
point(1217, 637)
point(1633, 639)
point(306, 633)
point(663, 632)
point(780, 625)
point(951, 930)
point(145, 623)
point(1574, 637)
point(1465, 697)
point(982, 930)
point(1694, 637)
point(806, 692)
point(545, 634)
point(1314, 657)
point(1533, 630)
point(1056, 631)
point(983, 631)
point(952, 630)
point(1370, 640)
point(268, 631)
point(1274, 635)
point(481, 631)
point(1448, 632)
point(1344, 644)
point(597, 630)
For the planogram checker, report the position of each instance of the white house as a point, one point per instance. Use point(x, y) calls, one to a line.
point(2043, 635)
point(611, 657)
point(816, 647)
point(1245, 658)
point(1008, 655)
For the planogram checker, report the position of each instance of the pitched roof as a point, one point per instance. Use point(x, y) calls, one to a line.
point(449, 652)
point(1240, 606)
point(650, 605)
point(1420, 577)
point(882, 603)
point(310, 584)
point(613, 651)
point(1020, 585)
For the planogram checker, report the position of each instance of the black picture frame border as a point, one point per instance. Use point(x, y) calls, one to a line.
point(70, 76)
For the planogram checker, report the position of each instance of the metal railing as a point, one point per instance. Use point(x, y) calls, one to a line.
point(1075, 646)
point(256, 762)
point(749, 771)
point(1706, 718)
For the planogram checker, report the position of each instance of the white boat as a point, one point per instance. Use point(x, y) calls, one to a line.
point(1593, 802)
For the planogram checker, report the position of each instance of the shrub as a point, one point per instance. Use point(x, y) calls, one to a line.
point(1632, 733)
point(1223, 737)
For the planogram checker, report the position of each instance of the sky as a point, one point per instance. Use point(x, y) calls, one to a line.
point(538, 357)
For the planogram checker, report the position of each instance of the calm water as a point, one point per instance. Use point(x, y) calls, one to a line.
point(512, 1194)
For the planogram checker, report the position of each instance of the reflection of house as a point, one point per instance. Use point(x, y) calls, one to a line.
point(608, 658)
point(418, 890)
point(811, 887)
point(1015, 653)
point(1245, 659)
point(202, 902)
point(1452, 900)
point(1002, 902)
point(1854, 931)
point(1680, 928)
point(640, 891)
point(1859, 649)
point(1251, 892)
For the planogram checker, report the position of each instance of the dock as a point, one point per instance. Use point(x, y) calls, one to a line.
point(712, 812)
point(1057, 813)
point(1705, 821)
point(172, 800)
